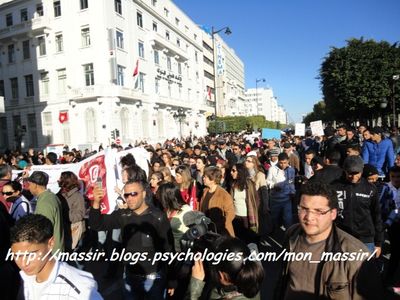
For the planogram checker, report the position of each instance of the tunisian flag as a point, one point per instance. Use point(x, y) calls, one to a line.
point(209, 93)
point(63, 116)
point(136, 71)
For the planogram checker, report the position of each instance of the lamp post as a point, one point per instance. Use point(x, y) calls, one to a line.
point(180, 116)
point(213, 33)
point(394, 79)
point(257, 81)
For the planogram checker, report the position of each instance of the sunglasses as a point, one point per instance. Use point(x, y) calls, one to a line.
point(7, 193)
point(233, 171)
point(132, 194)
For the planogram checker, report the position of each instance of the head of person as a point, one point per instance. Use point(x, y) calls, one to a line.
point(197, 150)
point(201, 163)
point(133, 173)
point(70, 156)
point(183, 176)
point(11, 190)
point(175, 163)
point(156, 179)
point(350, 133)
point(370, 173)
point(341, 130)
point(127, 161)
point(353, 149)
point(192, 161)
point(287, 148)
point(5, 171)
point(252, 163)
point(317, 163)
point(243, 273)
point(237, 150)
point(33, 235)
point(170, 197)
point(353, 167)
point(134, 195)
point(273, 154)
point(329, 131)
point(38, 182)
point(308, 156)
point(68, 181)
point(212, 176)
point(167, 158)
point(394, 173)
point(362, 128)
point(239, 175)
point(317, 210)
point(157, 164)
point(283, 161)
point(376, 134)
point(221, 143)
point(332, 157)
point(223, 165)
point(51, 158)
point(167, 174)
point(397, 160)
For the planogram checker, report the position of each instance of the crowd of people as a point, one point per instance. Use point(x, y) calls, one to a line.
point(337, 193)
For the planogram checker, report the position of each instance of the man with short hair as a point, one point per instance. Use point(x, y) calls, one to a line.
point(44, 276)
point(48, 205)
point(51, 158)
point(322, 277)
point(359, 210)
point(144, 229)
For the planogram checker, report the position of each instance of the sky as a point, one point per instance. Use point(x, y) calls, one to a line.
point(285, 42)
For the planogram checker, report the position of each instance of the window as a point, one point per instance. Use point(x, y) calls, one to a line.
point(29, 85)
point(141, 81)
point(166, 12)
point(141, 49)
point(177, 21)
point(62, 80)
point(47, 121)
point(9, 20)
point(179, 68)
point(2, 88)
point(155, 27)
point(14, 88)
point(178, 42)
point(44, 83)
point(196, 58)
point(167, 35)
point(195, 37)
point(31, 118)
point(85, 36)
point(139, 19)
point(169, 63)
point(118, 6)
point(120, 39)
point(24, 15)
point(42, 45)
point(26, 49)
point(156, 57)
point(169, 89)
point(120, 75)
point(154, 2)
point(39, 9)
point(11, 53)
point(59, 42)
point(89, 74)
point(57, 8)
point(84, 4)
point(157, 86)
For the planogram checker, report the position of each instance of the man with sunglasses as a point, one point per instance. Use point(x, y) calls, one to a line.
point(320, 276)
point(145, 230)
point(359, 210)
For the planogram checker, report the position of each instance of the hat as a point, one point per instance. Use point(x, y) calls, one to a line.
point(22, 164)
point(274, 152)
point(221, 142)
point(369, 170)
point(252, 153)
point(287, 145)
point(39, 177)
point(353, 164)
point(376, 130)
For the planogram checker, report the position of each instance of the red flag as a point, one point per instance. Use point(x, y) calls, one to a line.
point(209, 93)
point(63, 116)
point(136, 71)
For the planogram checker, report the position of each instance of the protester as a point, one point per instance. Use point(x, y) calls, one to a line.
point(12, 193)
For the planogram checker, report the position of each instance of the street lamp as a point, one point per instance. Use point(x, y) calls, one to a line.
point(180, 116)
point(213, 33)
point(257, 81)
point(394, 79)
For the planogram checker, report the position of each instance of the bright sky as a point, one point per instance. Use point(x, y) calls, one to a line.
point(286, 41)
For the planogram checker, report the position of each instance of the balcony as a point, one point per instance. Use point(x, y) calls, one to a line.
point(159, 42)
point(96, 91)
point(25, 29)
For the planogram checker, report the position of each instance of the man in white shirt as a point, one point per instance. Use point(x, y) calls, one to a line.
point(43, 276)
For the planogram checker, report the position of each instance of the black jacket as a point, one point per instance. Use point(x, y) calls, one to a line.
point(359, 212)
point(328, 174)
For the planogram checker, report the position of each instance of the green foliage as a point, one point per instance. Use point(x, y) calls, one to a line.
point(356, 78)
point(240, 123)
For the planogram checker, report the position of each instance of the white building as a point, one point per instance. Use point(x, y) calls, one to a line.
point(261, 101)
point(73, 71)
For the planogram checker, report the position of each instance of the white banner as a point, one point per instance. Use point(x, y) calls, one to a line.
point(316, 128)
point(300, 129)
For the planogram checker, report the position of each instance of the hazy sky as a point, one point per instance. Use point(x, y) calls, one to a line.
point(286, 41)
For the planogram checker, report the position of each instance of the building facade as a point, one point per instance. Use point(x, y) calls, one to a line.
point(74, 71)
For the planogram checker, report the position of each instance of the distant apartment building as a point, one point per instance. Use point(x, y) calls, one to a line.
point(73, 71)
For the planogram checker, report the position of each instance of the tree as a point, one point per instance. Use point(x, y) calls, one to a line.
point(357, 78)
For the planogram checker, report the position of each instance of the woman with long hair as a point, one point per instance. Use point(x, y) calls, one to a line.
point(69, 184)
point(12, 193)
point(156, 179)
point(246, 203)
point(235, 279)
point(167, 174)
point(187, 186)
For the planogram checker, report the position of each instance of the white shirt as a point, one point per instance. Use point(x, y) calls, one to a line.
point(64, 282)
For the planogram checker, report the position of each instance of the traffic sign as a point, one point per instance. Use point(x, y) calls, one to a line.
point(118, 141)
